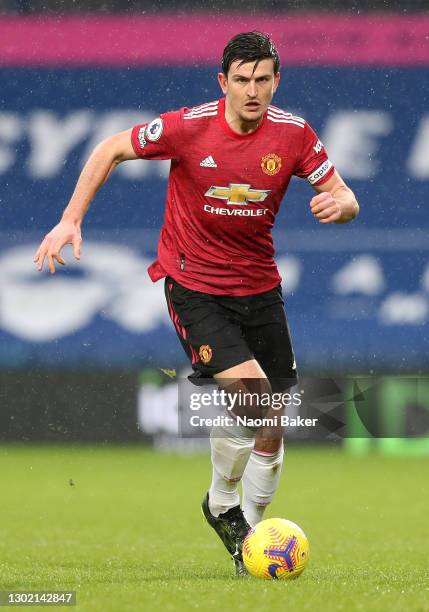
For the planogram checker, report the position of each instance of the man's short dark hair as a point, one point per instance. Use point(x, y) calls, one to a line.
point(250, 47)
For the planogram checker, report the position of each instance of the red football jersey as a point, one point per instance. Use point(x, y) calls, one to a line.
point(224, 191)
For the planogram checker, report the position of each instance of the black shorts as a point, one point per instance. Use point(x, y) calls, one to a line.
point(219, 332)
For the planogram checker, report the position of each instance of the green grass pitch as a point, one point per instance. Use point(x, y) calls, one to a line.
point(128, 533)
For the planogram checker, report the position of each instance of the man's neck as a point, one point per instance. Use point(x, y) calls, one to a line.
point(238, 124)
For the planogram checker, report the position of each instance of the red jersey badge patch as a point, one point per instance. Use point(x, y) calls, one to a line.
point(271, 164)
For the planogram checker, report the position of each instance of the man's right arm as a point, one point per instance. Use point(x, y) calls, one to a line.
point(101, 163)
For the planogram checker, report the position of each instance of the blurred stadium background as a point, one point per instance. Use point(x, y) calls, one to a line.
point(86, 356)
point(74, 72)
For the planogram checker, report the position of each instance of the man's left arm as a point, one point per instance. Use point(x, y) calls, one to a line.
point(335, 202)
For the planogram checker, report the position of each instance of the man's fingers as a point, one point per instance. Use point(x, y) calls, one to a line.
point(55, 253)
point(40, 260)
point(322, 207)
point(76, 247)
point(51, 264)
point(41, 253)
point(52, 252)
point(40, 250)
point(52, 245)
point(330, 219)
point(318, 206)
point(327, 212)
point(329, 215)
point(319, 199)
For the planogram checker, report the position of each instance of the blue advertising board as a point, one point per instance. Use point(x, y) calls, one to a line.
point(357, 296)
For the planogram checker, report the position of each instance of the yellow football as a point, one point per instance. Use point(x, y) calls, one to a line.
point(276, 549)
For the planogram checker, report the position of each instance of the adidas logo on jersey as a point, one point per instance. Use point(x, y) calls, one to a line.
point(208, 162)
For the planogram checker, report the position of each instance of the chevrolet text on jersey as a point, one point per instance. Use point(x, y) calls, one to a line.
point(238, 212)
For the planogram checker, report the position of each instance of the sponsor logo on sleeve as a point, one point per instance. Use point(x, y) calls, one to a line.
point(154, 130)
point(319, 172)
point(141, 137)
point(318, 147)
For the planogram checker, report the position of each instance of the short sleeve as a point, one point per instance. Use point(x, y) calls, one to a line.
point(160, 138)
point(313, 164)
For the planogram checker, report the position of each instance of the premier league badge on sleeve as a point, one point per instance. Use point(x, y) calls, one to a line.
point(154, 130)
point(141, 137)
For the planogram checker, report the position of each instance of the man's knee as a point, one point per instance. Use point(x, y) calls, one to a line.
point(249, 397)
point(248, 389)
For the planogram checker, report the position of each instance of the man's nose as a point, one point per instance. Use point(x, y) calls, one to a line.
point(251, 89)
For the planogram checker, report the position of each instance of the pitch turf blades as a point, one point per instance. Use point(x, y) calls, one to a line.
point(124, 537)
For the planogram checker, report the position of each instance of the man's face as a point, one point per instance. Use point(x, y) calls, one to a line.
point(249, 92)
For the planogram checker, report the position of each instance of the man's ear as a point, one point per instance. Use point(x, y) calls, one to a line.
point(222, 82)
point(276, 81)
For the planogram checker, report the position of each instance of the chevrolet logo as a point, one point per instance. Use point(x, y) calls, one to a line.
point(238, 194)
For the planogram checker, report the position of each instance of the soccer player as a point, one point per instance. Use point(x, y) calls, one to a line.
point(231, 163)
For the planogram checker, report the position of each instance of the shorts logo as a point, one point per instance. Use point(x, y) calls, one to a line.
point(271, 164)
point(154, 130)
point(236, 193)
point(141, 138)
point(205, 353)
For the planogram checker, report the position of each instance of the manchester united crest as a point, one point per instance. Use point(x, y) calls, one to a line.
point(271, 164)
point(205, 353)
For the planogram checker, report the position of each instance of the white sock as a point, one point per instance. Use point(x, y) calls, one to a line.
point(231, 449)
point(260, 482)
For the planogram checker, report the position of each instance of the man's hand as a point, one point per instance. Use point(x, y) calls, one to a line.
point(325, 208)
point(102, 161)
point(335, 202)
point(66, 232)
